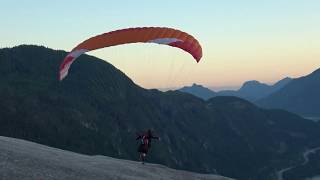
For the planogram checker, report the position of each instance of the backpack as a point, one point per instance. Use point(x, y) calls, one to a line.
point(144, 140)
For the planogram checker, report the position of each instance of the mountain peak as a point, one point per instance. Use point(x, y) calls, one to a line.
point(199, 91)
point(197, 85)
point(252, 83)
point(286, 78)
point(278, 85)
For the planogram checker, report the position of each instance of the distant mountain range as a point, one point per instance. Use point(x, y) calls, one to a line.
point(97, 109)
point(301, 96)
point(250, 90)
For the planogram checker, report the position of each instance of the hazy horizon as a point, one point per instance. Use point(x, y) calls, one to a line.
point(247, 40)
point(219, 88)
point(214, 88)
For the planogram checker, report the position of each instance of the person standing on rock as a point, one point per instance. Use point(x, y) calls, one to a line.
point(145, 144)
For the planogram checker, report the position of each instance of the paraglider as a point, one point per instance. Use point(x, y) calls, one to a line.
point(159, 35)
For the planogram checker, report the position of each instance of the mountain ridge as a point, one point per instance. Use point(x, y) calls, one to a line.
point(299, 96)
point(252, 90)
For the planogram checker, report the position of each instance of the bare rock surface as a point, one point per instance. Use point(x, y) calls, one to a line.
point(22, 160)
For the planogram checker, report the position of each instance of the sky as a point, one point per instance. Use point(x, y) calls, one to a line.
point(242, 40)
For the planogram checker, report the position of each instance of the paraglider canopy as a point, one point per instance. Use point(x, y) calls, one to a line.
point(159, 35)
